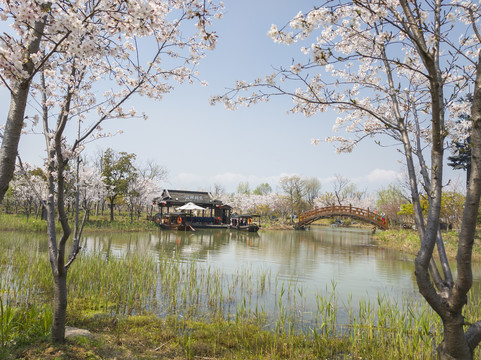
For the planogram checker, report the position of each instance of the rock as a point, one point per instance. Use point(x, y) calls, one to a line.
point(73, 332)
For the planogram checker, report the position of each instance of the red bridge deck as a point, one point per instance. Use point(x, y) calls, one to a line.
point(366, 215)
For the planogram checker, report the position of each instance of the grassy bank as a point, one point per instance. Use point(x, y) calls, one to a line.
point(146, 337)
point(408, 241)
point(19, 222)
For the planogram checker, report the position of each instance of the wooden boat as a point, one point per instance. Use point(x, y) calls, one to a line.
point(248, 223)
point(172, 221)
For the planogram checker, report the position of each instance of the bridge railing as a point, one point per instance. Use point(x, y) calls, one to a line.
point(371, 216)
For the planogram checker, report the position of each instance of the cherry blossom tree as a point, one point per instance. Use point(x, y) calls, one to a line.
point(264, 205)
point(342, 187)
point(325, 199)
point(141, 193)
point(17, 68)
point(64, 54)
point(294, 188)
point(46, 36)
point(396, 70)
point(29, 188)
point(91, 187)
point(312, 188)
point(151, 174)
point(281, 206)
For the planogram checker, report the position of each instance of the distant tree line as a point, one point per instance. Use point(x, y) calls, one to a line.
point(113, 181)
point(116, 181)
point(296, 194)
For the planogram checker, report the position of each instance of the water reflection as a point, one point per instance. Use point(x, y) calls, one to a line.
point(313, 259)
point(311, 262)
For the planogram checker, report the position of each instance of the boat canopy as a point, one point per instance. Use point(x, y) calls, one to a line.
point(190, 206)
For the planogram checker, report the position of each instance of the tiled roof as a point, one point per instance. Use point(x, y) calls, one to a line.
point(181, 197)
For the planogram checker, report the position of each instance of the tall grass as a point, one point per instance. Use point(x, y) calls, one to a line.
point(25, 289)
point(171, 287)
point(19, 222)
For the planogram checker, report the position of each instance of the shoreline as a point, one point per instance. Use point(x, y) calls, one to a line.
point(407, 241)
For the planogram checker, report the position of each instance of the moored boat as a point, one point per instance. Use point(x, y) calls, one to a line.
point(250, 223)
point(172, 221)
point(199, 209)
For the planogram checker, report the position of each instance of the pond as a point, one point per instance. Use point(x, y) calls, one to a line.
point(313, 259)
point(309, 263)
point(231, 272)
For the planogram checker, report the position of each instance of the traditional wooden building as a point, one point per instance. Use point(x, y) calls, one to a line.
point(215, 213)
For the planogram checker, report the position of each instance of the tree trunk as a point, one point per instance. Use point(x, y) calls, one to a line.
point(457, 344)
point(111, 205)
point(59, 274)
point(59, 307)
point(11, 138)
point(16, 113)
point(454, 344)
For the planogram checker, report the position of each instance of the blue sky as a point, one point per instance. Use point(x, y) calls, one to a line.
point(200, 144)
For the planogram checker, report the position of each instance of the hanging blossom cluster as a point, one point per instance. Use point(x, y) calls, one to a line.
point(359, 61)
point(110, 29)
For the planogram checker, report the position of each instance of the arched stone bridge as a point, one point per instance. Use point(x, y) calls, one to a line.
point(365, 215)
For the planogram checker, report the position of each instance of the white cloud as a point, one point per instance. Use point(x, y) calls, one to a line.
point(374, 180)
point(380, 176)
point(188, 181)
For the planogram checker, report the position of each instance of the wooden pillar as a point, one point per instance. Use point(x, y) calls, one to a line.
point(350, 208)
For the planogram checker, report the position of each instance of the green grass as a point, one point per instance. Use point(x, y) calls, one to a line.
point(408, 241)
point(19, 222)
